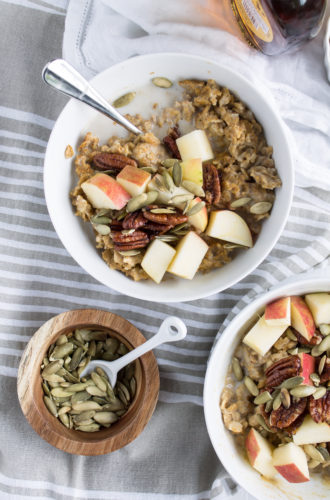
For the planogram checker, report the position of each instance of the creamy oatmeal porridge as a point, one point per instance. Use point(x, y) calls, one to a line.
point(161, 197)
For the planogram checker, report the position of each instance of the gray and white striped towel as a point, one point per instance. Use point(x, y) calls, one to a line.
point(173, 457)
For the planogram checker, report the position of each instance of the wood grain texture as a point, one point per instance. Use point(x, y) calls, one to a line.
point(30, 392)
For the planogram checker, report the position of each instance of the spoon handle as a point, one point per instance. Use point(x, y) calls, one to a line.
point(170, 330)
point(60, 75)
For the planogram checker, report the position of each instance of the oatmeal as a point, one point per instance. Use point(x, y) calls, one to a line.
point(157, 186)
point(277, 389)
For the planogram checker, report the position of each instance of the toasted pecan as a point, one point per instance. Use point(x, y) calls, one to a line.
point(173, 219)
point(211, 184)
point(325, 375)
point(284, 417)
point(319, 409)
point(281, 370)
point(134, 220)
point(316, 339)
point(112, 161)
point(170, 142)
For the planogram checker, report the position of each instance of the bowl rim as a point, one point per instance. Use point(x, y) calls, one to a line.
point(308, 283)
point(191, 293)
point(29, 381)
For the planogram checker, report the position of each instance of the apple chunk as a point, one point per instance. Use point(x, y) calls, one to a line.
point(199, 220)
point(192, 170)
point(301, 318)
point(307, 367)
point(261, 337)
point(103, 191)
point(157, 259)
point(190, 252)
point(278, 312)
point(259, 453)
point(291, 462)
point(229, 226)
point(195, 145)
point(319, 304)
point(311, 433)
point(133, 179)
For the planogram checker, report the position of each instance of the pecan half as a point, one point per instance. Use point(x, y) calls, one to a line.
point(122, 239)
point(157, 229)
point(116, 225)
point(211, 184)
point(112, 161)
point(281, 370)
point(292, 429)
point(170, 144)
point(284, 417)
point(319, 409)
point(173, 219)
point(316, 339)
point(134, 220)
point(325, 375)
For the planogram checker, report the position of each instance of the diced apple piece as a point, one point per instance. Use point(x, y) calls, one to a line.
point(278, 312)
point(307, 367)
point(192, 170)
point(165, 196)
point(157, 259)
point(319, 304)
point(190, 252)
point(311, 433)
point(301, 317)
point(261, 337)
point(229, 226)
point(199, 220)
point(291, 462)
point(259, 452)
point(103, 191)
point(133, 179)
point(195, 145)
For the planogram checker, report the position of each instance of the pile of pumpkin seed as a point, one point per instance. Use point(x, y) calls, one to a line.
point(291, 389)
point(89, 403)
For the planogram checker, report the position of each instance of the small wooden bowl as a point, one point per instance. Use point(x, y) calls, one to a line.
point(30, 393)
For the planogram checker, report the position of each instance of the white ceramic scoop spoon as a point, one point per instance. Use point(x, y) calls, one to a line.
point(170, 330)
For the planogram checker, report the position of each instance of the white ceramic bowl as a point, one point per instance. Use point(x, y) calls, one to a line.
point(76, 119)
point(222, 440)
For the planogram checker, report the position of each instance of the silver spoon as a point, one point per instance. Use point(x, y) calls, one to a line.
point(60, 75)
point(170, 330)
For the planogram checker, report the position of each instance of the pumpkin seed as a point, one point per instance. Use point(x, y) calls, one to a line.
point(315, 379)
point(231, 246)
point(99, 381)
point(263, 398)
point(240, 202)
point(322, 364)
point(168, 181)
point(177, 174)
point(64, 409)
point(136, 203)
point(181, 198)
point(52, 367)
point(313, 453)
point(261, 421)
point(237, 369)
point(167, 237)
point(88, 428)
point(45, 388)
point(277, 402)
point(80, 386)
point(105, 417)
point(115, 405)
point(161, 81)
point(150, 170)
point(130, 253)
point(304, 350)
point(323, 346)
point(170, 162)
point(64, 419)
point(194, 188)
point(312, 464)
point(121, 412)
point(95, 391)
point(100, 220)
point(102, 229)
point(76, 358)
point(319, 393)
point(269, 406)
point(184, 225)
point(70, 378)
point(160, 183)
point(86, 405)
point(85, 415)
point(260, 208)
point(151, 197)
point(325, 329)
point(112, 345)
point(123, 100)
point(289, 333)
point(53, 378)
point(61, 351)
point(50, 405)
point(62, 340)
point(122, 397)
point(293, 351)
point(324, 452)
point(128, 231)
point(285, 398)
point(292, 382)
point(78, 397)
point(132, 386)
point(58, 392)
point(251, 386)
point(303, 391)
point(163, 211)
point(196, 208)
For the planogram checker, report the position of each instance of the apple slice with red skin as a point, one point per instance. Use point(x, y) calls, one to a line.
point(307, 367)
point(291, 462)
point(311, 433)
point(278, 313)
point(103, 191)
point(301, 318)
point(134, 180)
point(259, 453)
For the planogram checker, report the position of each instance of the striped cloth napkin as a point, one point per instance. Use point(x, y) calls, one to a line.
point(173, 457)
